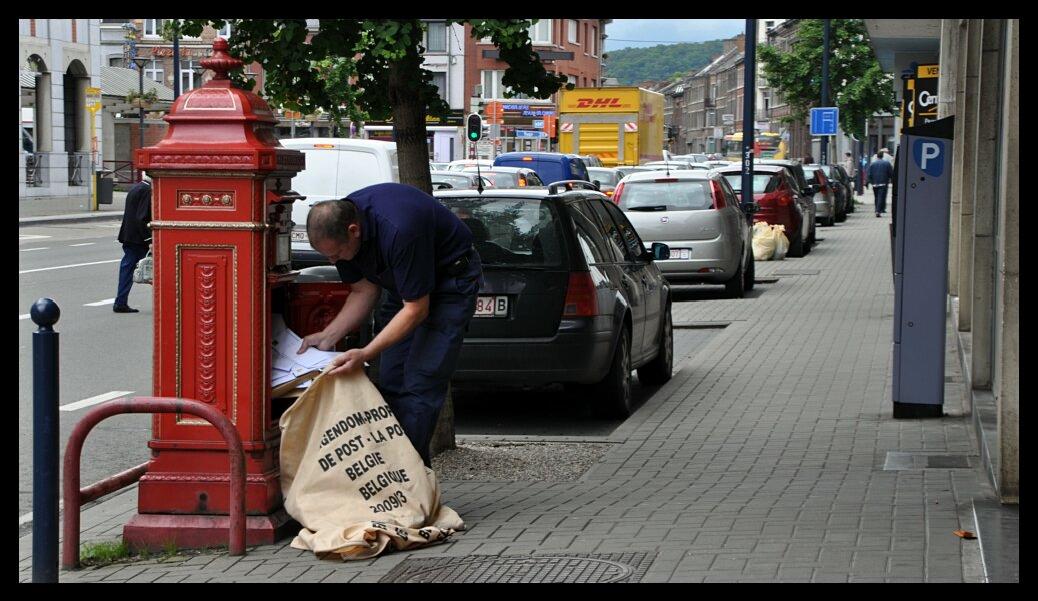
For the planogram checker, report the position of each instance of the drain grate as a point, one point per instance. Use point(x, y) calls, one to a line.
point(612, 567)
point(702, 325)
point(922, 461)
point(798, 272)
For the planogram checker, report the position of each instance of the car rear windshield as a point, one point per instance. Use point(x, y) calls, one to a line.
point(762, 182)
point(667, 196)
point(607, 177)
point(511, 232)
point(809, 174)
point(503, 180)
point(456, 181)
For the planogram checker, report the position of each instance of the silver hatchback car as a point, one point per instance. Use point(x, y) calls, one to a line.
point(698, 215)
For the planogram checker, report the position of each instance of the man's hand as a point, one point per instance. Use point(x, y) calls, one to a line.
point(319, 340)
point(349, 361)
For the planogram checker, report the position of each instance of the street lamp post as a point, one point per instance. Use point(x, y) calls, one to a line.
point(140, 62)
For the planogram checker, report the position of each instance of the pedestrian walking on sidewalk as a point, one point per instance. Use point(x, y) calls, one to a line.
point(880, 174)
point(135, 238)
point(399, 238)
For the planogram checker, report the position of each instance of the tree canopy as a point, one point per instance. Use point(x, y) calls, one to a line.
point(857, 84)
point(345, 68)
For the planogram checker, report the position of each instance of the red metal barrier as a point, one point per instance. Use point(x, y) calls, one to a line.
point(74, 497)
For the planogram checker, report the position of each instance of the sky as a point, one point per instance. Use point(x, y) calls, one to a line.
point(657, 31)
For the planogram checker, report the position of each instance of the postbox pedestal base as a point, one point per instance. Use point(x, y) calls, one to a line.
point(155, 531)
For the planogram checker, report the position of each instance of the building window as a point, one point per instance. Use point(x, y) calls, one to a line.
point(769, 25)
point(225, 31)
point(571, 31)
point(585, 39)
point(439, 79)
point(593, 84)
point(571, 79)
point(152, 28)
point(116, 61)
point(154, 72)
point(492, 87)
point(540, 32)
point(594, 40)
point(187, 76)
point(436, 37)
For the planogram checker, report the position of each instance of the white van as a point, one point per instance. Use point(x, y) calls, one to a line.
point(334, 168)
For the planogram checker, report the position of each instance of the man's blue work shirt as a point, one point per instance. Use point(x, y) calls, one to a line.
point(407, 239)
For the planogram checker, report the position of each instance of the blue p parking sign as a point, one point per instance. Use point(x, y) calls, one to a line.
point(928, 155)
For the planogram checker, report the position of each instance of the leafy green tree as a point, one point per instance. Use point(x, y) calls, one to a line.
point(857, 83)
point(371, 69)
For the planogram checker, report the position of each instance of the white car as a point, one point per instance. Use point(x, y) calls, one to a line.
point(461, 164)
point(334, 168)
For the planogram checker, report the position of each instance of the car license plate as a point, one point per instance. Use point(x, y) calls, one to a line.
point(299, 236)
point(491, 306)
point(681, 253)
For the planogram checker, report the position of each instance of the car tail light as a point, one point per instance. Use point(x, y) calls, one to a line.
point(608, 192)
point(616, 193)
point(581, 297)
point(718, 195)
point(522, 182)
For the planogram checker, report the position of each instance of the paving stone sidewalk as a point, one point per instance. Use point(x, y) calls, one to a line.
point(762, 460)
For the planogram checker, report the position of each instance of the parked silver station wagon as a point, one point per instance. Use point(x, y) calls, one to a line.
point(697, 214)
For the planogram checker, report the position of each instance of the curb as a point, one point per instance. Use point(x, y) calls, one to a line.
point(31, 221)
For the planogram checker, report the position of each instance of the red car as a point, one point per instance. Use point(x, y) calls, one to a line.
point(773, 191)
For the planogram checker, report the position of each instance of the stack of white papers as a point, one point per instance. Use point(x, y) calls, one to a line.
point(287, 363)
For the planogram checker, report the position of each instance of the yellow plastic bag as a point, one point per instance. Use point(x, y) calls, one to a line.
point(763, 241)
point(781, 242)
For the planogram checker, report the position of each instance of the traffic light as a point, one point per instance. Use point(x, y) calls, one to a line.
point(475, 127)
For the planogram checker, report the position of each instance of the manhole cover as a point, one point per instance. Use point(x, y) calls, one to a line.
point(921, 461)
point(613, 567)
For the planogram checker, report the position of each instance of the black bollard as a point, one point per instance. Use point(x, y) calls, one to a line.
point(45, 442)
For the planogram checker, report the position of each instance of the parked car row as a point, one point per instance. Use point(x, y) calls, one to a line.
point(579, 260)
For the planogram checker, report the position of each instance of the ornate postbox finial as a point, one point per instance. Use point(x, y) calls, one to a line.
point(221, 62)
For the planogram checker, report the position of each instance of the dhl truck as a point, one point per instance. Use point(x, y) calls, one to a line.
point(621, 126)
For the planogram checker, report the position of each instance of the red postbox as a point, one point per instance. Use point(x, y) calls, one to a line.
point(221, 227)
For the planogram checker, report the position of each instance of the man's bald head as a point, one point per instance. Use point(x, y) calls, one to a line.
point(329, 220)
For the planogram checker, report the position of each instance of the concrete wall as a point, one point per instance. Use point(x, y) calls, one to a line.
point(1006, 377)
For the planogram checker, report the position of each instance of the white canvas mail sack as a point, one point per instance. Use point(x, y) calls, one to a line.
point(351, 477)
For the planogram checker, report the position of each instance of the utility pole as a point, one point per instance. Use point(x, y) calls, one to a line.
point(749, 87)
point(824, 158)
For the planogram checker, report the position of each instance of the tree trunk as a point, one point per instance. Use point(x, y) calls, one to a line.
point(412, 149)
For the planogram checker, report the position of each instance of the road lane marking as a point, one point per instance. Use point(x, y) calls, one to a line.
point(95, 400)
point(31, 237)
point(38, 248)
point(84, 244)
point(107, 301)
point(26, 316)
point(67, 266)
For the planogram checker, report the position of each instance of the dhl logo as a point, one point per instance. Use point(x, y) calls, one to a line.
point(584, 103)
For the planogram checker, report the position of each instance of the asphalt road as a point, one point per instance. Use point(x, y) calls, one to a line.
point(100, 352)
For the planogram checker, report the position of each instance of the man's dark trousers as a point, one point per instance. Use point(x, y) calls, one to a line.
point(415, 372)
point(881, 198)
point(132, 254)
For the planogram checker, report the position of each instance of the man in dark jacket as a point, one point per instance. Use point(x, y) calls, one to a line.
point(880, 174)
point(135, 238)
point(400, 239)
